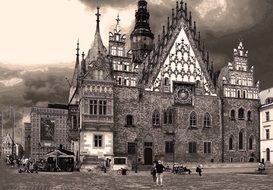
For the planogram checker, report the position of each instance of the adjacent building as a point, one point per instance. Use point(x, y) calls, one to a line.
point(266, 125)
point(27, 139)
point(7, 146)
point(1, 132)
point(48, 129)
point(161, 98)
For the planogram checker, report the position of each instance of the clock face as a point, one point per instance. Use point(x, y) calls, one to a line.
point(183, 94)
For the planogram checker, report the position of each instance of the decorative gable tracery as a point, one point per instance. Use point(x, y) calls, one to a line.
point(181, 22)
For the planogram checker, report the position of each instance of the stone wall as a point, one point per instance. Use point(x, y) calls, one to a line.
point(233, 127)
point(128, 101)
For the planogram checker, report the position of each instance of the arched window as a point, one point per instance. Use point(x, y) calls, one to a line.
point(250, 143)
point(207, 120)
point(129, 120)
point(241, 140)
point(232, 114)
point(168, 116)
point(238, 94)
point(198, 84)
point(230, 143)
point(166, 81)
point(193, 119)
point(166, 84)
point(268, 155)
point(249, 115)
point(156, 118)
point(244, 94)
point(241, 114)
point(100, 75)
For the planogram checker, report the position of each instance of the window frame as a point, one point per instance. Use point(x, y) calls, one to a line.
point(207, 147)
point(169, 147)
point(156, 118)
point(207, 122)
point(192, 147)
point(193, 120)
point(98, 141)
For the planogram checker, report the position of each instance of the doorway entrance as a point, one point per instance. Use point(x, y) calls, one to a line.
point(148, 156)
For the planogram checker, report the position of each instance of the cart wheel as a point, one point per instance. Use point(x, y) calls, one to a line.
point(119, 172)
point(127, 172)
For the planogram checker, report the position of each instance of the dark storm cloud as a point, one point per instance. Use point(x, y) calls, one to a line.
point(102, 3)
point(41, 88)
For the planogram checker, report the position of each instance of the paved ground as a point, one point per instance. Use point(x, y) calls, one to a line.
point(11, 180)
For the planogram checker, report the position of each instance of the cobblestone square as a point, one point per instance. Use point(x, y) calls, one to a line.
point(11, 180)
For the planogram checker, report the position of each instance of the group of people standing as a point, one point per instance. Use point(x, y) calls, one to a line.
point(158, 168)
point(157, 172)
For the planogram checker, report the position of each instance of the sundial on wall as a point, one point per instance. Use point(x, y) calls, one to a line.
point(183, 93)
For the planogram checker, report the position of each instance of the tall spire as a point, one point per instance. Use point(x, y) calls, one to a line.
point(98, 19)
point(97, 46)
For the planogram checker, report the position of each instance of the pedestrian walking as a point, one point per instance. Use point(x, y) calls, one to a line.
point(199, 169)
point(153, 172)
point(159, 173)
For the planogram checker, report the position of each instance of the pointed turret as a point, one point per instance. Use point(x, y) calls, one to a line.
point(77, 69)
point(97, 46)
point(142, 36)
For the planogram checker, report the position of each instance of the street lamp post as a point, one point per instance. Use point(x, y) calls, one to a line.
point(173, 143)
point(136, 155)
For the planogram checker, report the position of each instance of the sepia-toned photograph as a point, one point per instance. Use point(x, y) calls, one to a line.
point(136, 94)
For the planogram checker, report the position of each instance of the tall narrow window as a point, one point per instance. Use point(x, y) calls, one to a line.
point(241, 114)
point(267, 116)
point(93, 107)
point(207, 147)
point(131, 148)
point(268, 155)
point(238, 94)
point(168, 116)
point(241, 141)
point(249, 115)
point(193, 119)
point(230, 147)
point(156, 118)
point(267, 134)
point(244, 94)
point(169, 147)
point(129, 120)
point(207, 120)
point(192, 147)
point(232, 114)
point(250, 145)
point(102, 107)
point(98, 141)
point(165, 117)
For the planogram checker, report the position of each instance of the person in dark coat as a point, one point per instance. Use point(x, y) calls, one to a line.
point(199, 169)
point(153, 172)
point(159, 173)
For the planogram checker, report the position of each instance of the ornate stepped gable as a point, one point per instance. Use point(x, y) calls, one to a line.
point(179, 38)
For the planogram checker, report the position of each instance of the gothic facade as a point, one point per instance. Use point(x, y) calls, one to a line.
point(162, 99)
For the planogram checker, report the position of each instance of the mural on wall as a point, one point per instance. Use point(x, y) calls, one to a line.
point(47, 129)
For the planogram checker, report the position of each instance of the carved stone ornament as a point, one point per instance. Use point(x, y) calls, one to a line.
point(183, 94)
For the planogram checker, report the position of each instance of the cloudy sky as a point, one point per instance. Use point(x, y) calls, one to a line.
point(38, 41)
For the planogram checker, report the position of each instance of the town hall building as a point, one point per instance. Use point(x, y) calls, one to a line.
point(161, 99)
